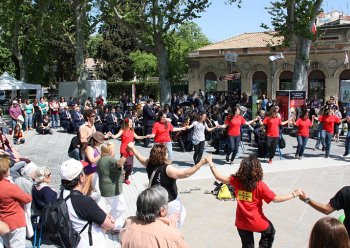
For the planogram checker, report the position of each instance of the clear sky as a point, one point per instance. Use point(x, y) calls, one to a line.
point(222, 21)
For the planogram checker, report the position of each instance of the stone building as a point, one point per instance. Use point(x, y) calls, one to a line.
point(329, 72)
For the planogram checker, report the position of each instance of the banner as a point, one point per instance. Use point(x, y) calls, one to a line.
point(344, 91)
point(282, 98)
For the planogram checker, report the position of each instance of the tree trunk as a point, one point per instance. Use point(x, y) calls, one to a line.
point(163, 71)
point(79, 11)
point(17, 53)
point(302, 63)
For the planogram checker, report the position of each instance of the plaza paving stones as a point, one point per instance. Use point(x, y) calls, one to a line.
point(210, 222)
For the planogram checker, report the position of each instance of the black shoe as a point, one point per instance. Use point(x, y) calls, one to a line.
point(216, 152)
point(345, 154)
point(227, 159)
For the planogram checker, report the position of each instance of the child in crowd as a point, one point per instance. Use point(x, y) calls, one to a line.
point(18, 137)
point(127, 135)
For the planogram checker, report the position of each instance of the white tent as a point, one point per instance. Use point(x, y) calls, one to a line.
point(7, 82)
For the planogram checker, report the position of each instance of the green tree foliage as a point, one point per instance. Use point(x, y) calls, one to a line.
point(188, 37)
point(113, 52)
point(292, 20)
point(144, 64)
point(151, 21)
point(93, 45)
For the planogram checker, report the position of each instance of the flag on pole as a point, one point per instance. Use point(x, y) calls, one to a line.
point(346, 59)
point(278, 56)
point(314, 28)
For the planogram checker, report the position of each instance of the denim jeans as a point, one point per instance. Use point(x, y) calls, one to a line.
point(15, 169)
point(347, 143)
point(28, 121)
point(319, 136)
point(54, 119)
point(233, 146)
point(302, 141)
point(327, 137)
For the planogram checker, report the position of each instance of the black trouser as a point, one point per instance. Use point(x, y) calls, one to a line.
point(128, 167)
point(266, 240)
point(233, 146)
point(148, 130)
point(198, 152)
point(271, 145)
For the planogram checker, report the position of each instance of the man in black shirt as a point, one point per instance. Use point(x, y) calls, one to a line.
point(341, 200)
point(83, 209)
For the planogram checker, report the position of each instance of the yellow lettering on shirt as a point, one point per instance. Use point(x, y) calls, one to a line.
point(245, 196)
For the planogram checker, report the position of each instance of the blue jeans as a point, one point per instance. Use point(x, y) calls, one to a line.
point(347, 143)
point(302, 141)
point(233, 146)
point(14, 170)
point(319, 137)
point(327, 137)
point(54, 119)
point(28, 119)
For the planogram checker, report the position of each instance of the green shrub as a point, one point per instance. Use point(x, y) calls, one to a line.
point(146, 89)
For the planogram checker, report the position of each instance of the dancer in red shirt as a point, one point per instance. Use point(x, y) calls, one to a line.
point(250, 193)
point(127, 135)
point(304, 124)
point(161, 132)
point(234, 122)
point(272, 121)
point(328, 119)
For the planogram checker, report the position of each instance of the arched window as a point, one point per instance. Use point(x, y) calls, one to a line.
point(210, 82)
point(316, 85)
point(344, 86)
point(286, 79)
point(259, 88)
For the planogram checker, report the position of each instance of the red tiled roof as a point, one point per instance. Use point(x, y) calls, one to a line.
point(246, 40)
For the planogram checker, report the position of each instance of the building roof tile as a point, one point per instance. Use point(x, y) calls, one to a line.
point(246, 40)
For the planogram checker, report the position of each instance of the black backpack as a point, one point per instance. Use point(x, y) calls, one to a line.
point(58, 226)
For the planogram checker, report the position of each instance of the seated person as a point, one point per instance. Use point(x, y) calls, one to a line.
point(44, 127)
point(42, 193)
point(17, 134)
point(77, 118)
point(66, 120)
point(112, 122)
point(74, 148)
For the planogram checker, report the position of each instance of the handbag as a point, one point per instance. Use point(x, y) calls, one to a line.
point(281, 142)
point(224, 193)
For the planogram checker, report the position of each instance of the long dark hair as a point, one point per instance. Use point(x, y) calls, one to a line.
point(157, 156)
point(249, 173)
point(232, 113)
point(159, 119)
point(329, 232)
point(272, 112)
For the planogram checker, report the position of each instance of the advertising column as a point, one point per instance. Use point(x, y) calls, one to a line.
point(282, 98)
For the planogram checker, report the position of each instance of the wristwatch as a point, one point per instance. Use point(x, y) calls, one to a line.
point(307, 200)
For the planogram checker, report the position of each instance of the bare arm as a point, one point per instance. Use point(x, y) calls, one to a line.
point(323, 208)
point(141, 137)
point(176, 173)
point(89, 152)
point(218, 176)
point(177, 129)
point(282, 198)
point(143, 160)
point(108, 223)
point(4, 228)
point(118, 134)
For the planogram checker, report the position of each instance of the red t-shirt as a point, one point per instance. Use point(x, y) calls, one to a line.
point(272, 126)
point(303, 127)
point(234, 125)
point(127, 137)
point(161, 133)
point(249, 214)
point(328, 122)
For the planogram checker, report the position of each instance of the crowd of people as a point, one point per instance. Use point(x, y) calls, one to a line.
point(92, 180)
